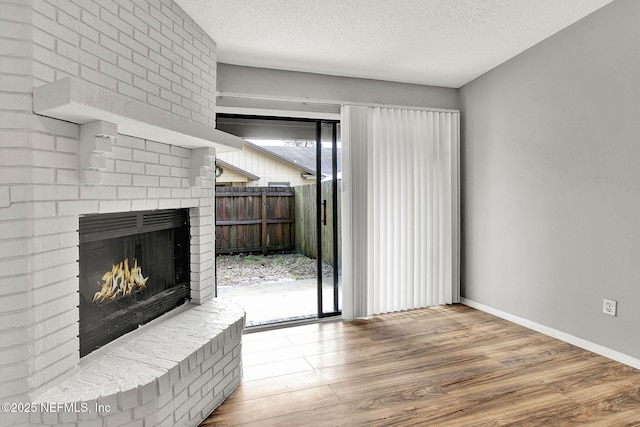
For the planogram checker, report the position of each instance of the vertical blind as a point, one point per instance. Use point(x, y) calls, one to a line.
point(400, 209)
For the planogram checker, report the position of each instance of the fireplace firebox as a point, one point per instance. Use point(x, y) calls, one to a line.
point(134, 266)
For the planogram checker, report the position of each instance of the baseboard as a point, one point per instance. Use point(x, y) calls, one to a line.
point(554, 333)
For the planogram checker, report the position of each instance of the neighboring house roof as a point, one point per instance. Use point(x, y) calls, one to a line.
point(301, 157)
point(280, 157)
point(306, 156)
point(225, 165)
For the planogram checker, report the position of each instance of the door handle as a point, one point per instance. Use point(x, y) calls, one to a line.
point(324, 212)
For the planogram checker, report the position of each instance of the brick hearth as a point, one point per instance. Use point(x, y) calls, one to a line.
point(166, 373)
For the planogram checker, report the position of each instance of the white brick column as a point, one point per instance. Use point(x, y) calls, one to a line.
point(203, 226)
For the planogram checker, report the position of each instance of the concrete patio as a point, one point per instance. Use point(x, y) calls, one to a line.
point(279, 301)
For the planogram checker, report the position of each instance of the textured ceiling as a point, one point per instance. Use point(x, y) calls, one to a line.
point(434, 42)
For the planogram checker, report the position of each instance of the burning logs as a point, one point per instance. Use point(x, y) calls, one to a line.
point(121, 281)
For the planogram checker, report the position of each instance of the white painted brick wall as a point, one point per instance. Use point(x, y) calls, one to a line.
point(149, 50)
point(16, 224)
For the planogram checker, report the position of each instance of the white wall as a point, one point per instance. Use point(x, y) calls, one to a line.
point(551, 183)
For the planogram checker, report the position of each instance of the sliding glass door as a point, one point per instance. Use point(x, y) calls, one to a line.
point(295, 165)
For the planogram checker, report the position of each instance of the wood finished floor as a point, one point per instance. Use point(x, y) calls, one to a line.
point(442, 366)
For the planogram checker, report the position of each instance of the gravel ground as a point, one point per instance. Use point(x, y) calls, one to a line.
point(244, 270)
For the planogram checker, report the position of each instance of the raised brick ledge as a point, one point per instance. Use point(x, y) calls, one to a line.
point(173, 371)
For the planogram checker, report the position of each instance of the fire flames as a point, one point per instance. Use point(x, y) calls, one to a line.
point(121, 281)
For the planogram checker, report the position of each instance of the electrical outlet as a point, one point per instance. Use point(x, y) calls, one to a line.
point(609, 307)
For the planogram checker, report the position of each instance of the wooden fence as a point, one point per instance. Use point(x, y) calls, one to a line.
point(306, 228)
point(255, 219)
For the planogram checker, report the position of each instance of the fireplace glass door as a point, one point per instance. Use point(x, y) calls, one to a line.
point(133, 268)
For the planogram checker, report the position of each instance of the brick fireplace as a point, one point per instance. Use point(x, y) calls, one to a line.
point(107, 107)
point(137, 176)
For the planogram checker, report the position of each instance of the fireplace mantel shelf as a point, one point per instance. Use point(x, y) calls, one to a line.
point(77, 101)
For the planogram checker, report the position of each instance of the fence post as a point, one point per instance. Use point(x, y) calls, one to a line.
point(264, 223)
